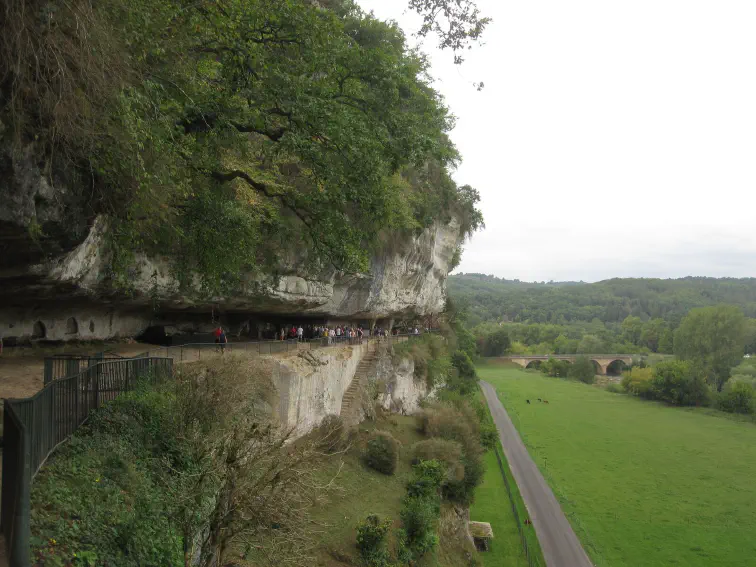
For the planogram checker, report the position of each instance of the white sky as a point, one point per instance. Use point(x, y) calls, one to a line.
point(612, 139)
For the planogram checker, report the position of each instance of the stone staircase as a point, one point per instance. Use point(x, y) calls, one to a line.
point(352, 400)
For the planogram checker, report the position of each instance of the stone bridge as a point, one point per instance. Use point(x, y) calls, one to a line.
point(601, 361)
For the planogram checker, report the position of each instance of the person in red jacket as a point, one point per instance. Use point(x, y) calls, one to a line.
point(220, 338)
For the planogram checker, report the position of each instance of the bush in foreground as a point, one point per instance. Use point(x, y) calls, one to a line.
point(382, 452)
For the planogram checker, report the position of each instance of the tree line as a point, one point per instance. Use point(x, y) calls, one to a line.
point(633, 316)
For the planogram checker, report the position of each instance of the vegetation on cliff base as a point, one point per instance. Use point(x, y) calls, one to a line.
point(189, 473)
point(223, 132)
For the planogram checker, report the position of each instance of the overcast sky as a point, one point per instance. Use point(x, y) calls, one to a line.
point(612, 139)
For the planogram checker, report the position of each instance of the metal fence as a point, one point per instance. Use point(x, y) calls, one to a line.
point(196, 351)
point(33, 427)
point(532, 558)
point(62, 365)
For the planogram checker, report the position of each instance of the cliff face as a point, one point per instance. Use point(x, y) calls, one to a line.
point(312, 388)
point(54, 267)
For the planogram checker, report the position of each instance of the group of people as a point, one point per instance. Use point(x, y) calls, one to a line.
point(335, 333)
point(308, 332)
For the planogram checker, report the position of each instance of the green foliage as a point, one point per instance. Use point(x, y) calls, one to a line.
point(456, 23)
point(614, 388)
point(102, 497)
point(225, 134)
point(679, 383)
point(591, 344)
point(382, 452)
point(582, 369)
point(638, 381)
point(466, 380)
point(489, 435)
point(431, 357)
point(713, 339)
point(444, 451)
point(737, 397)
point(496, 343)
point(621, 315)
point(556, 368)
point(421, 511)
point(489, 298)
point(459, 423)
point(371, 541)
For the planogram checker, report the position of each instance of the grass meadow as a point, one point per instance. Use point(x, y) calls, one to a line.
point(642, 484)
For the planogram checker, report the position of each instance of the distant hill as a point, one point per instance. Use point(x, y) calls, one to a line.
point(488, 298)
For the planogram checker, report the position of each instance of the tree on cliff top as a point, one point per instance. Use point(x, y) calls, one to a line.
point(226, 133)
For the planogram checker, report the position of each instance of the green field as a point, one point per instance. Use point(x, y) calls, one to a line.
point(492, 505)
point(642, 484)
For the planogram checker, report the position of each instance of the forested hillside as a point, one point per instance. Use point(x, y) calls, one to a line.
point(488, 298)
point(619, 315)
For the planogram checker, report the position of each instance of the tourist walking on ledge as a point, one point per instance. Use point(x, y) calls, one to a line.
point(220, 339)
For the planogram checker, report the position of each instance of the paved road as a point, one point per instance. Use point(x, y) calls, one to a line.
point(560, 545)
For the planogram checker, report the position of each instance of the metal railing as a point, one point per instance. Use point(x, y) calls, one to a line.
point(195, 351)
point(61, 365)
point(33, 427)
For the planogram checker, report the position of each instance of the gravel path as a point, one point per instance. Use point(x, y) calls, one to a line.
point(560, 545)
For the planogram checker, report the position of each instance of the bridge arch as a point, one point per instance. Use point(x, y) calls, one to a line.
point(534, 364)
point(616, 367)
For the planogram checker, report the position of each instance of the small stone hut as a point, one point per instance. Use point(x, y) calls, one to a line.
point(482, 534)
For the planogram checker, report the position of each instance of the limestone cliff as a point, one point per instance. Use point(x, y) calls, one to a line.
point(313, 387)
point(53, 269)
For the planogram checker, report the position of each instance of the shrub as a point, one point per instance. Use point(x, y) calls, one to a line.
point(497, 343)
point(676, 382)
point(556, 368)
point(488, 435)
point(450, 423)
point(371, 541)
point(466, 380)
point(444, 451)
point(458, 423)
point(427, 479)
point(463, 491)
point(331, 434)
point(421, 511)
point(419, 520)
point(582, 369)
point(638, 381)
point(430, 356)
point(738, 397)
point(614, 388)
point(382, 452)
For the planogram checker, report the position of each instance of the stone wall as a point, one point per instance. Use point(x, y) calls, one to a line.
point(70, 321)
